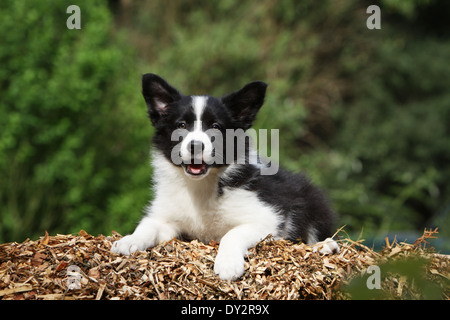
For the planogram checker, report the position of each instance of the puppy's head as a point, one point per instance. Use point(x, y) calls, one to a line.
point(191, 131)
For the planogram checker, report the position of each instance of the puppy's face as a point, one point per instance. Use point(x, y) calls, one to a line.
point(191, 131)
point(190, 134)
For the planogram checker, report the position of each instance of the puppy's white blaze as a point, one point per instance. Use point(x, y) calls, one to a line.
point(199, 104)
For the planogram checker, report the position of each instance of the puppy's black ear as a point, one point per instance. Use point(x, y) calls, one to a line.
point(245, 103)
point(157, 94)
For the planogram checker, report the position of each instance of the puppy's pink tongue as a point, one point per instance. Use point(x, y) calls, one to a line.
point(196, 168)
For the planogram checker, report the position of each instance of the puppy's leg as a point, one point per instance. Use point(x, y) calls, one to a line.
point(148, 233)
point(229, 264)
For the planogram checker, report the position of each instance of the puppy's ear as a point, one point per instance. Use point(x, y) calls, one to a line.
point(158, 94)
point(245, 103)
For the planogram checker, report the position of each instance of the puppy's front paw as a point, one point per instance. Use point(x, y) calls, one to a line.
point(128, 245)
point(229, 266)
point(327, 246)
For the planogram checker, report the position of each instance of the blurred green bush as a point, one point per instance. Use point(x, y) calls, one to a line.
point(74, 135)
point(364, 113)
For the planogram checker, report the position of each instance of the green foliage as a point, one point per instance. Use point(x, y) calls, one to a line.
point(399, 279)
point(400, 114)
point(68, 124)
point(363, 112)
point(408, 8)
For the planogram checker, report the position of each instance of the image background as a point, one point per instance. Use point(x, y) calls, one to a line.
point(364, 113)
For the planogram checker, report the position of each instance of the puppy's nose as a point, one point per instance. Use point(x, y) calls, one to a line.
point(195, 147)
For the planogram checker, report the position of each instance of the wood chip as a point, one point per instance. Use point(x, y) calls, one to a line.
point(20, 288)
point(275, 269)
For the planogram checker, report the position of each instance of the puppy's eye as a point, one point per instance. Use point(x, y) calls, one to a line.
point(215, 126)
point(181, 125)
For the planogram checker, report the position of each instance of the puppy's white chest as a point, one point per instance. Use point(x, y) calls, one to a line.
point(196, 209)
point(193, 209)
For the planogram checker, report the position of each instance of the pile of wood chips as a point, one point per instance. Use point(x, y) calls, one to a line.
point(44, 269)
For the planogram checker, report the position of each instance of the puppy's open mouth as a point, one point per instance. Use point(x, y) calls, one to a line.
point(196, 169)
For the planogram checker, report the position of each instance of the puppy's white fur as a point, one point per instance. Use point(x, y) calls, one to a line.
point(237, 219)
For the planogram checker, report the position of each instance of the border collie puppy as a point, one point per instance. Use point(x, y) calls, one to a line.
point(207, 190)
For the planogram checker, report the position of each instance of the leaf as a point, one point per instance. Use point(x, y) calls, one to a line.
point(38, 258)
point(45, 239)
point(84, 234)
point(61, 266)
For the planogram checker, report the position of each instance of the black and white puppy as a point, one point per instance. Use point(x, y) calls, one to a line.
point(208, 188)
